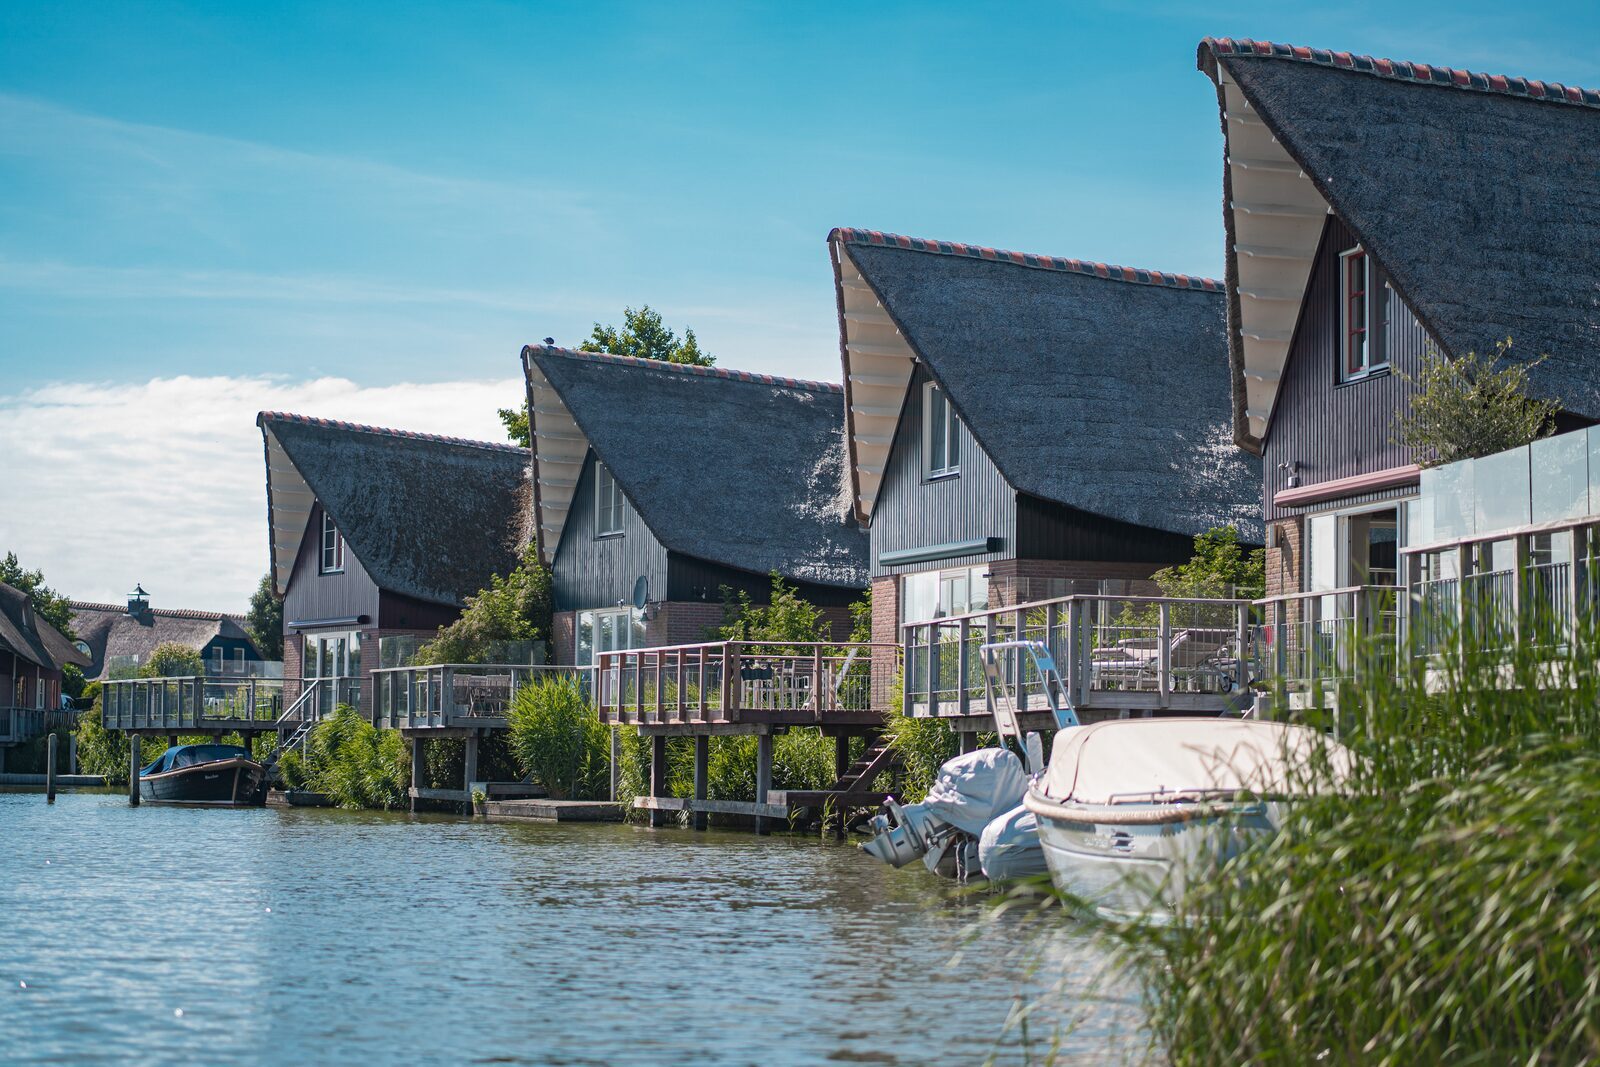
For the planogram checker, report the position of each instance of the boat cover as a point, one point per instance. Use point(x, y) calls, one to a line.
point(974, 788)
point(1009, 846)
point(189, 755)
point(1138, 760)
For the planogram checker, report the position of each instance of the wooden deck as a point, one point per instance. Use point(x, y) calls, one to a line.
point(21, 725)
point(192, 705)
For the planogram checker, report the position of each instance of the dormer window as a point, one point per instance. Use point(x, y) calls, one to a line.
point(332, 547)
point(940, 434)
point(1364, 315)
point(607, 503)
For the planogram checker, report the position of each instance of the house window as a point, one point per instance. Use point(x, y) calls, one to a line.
point(607, 503)
point(216, 659)
point(332, 546)
point(1366, 300)
point(607, 631)
point(941, 594)
point(941, 452)
point(238, 661)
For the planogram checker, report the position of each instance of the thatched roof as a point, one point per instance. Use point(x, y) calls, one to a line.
point(30, 637)
point(740, 469)
point(110, 632)
point(1477, 193)
point(429, 517)
point(1097, 387)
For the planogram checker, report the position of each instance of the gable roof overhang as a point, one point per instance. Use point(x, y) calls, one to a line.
point(1273, 215)
point(559, 449)
point(289, 505)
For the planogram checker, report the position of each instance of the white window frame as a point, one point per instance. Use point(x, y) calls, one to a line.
point(973, 575)
point(626, 618)
point(330, 558)
point(1377, 301)
point(608, 503)
point(216, 659)
point(946, 461)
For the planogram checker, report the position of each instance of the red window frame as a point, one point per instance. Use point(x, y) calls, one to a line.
point(1356, 341)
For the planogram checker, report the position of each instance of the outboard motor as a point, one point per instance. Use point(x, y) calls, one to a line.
point(944, 829)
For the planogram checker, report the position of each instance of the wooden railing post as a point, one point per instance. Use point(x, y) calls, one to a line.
point(818, 685)
point(730, 666)
point(660, 695)
point(1074, 664)
point(963, 668)
point(1164, 654)
point(700, 656)
point(935, 635)
point(638, 686)
point(677, 682)
point(907, 658)
point(1241, 637)
point(1019, 620)
point(735, 677)
point(1052, 622)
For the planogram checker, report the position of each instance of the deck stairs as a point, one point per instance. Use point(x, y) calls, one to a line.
point(851, 797)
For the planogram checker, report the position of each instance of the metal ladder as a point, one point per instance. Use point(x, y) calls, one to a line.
point(1001, 696)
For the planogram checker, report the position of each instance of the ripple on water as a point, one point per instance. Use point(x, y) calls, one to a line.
point(187, 935)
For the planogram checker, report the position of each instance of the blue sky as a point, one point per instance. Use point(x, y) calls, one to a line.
point(395, 191)
point(363, 210)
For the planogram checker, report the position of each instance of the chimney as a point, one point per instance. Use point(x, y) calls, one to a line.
point(138, 602)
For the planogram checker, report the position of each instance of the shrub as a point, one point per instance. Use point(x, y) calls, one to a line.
point(514, 608)
point(355, 763)
point(172, 660)
point(1471, 406)
point(558, 739)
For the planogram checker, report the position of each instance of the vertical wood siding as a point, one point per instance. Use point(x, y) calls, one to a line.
point(1335, 430)
point(690, 579)
point(1047, 530)
point(914, 513)
point(592, 572)
point(311, 595)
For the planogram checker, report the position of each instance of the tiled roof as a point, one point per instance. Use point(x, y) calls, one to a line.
point(1026, 259)
point(412, 435)
point(173, 613)
point(1404, 70)
point(686, 368)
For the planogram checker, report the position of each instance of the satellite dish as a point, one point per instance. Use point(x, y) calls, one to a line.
point(641, 592)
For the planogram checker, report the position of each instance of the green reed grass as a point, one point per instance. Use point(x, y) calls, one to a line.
point(1443, 906)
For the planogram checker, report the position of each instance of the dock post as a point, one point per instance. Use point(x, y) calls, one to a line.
point(133, 770)
point(470, 768)
point(702, 774)
point(616, 761)
point(419, 767)
point(658, 776)
point(172, 740)
point(50, 769)
point(763, 775)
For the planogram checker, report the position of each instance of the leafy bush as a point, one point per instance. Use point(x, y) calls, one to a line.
point(105, 752)
point(173, 660)
point(514, 608)
point(355, 763)
point(1471, 406)
point(558, 739)
point(787, 618)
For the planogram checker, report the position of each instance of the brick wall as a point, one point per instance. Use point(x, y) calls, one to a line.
point(1284, 558)
point(886, 609)
point(563, 638)
point(683, 622)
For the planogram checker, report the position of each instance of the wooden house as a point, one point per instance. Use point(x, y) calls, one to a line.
point(660, 487)
point(1375, 208)
point(1022, 426)
point(121, 638)
point(32, 655)
point(379, 533)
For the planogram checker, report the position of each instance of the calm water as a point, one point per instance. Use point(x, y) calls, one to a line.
point(334, 937)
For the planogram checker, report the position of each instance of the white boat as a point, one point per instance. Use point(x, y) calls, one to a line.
point(1131, 810)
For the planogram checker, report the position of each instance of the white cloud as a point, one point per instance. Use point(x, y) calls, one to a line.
point(164, 482)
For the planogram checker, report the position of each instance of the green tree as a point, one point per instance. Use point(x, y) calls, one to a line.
point(514, 608)
point(49, 605)
point(644, 336)
point(516, 423)
point(1220, 567)
point(172, 660)
point(787, 619)
point(264, 621)
point(1471, 406)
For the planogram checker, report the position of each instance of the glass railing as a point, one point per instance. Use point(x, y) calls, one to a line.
point(1554, 479)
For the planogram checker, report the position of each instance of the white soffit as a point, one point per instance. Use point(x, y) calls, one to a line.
point(559, 448)
point(1277, 217)
point(878, 364)
point(291, 501)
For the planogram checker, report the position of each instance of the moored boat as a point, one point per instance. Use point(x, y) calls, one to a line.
point(1131, 811)
point(204, 774)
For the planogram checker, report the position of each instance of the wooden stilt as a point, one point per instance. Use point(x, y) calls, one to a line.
point(419, 768)
point(702, 773)
point(50, 768)
point(133, 770)
point(763, 776)
point(658, 776)
point(470, 770)
point(172, 740)
point(841, 755)
point(616, 761)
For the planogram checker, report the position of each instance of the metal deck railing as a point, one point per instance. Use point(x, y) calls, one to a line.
point(190, 703)
point(451, 695)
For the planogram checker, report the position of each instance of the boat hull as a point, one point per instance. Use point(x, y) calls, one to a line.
point(1136, 860)
point(234, 782)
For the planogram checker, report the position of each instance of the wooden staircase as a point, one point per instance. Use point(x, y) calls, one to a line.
point(840, 804)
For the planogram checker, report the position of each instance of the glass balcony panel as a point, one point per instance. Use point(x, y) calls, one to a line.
point(1447, 492)
point(1560, 477)
point(1503, 492)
